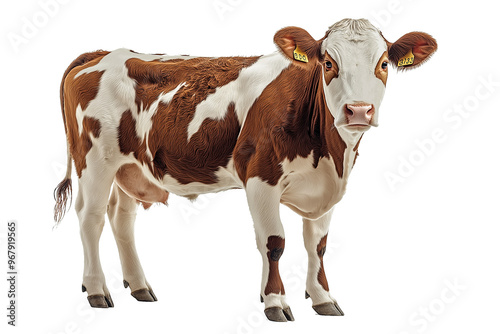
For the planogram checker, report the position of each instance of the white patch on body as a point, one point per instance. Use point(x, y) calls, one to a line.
point(312, 192)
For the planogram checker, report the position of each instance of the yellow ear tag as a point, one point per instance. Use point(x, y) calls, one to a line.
point(300, 55)
point(407, 59)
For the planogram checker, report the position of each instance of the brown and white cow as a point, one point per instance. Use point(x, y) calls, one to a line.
point(285, 127)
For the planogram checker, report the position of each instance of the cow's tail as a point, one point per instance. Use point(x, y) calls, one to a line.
point(62, 192)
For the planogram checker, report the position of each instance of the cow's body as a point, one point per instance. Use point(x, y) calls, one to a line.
point(155, 124)
point(185, 136)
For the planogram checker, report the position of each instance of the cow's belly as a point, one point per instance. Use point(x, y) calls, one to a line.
point(313, 192)
point(140, 184)
point(226, 178)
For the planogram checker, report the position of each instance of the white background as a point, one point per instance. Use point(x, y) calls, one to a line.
point(393, 251)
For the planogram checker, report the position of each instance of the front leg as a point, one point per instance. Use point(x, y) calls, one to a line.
point(264, 201)
point(315, 235)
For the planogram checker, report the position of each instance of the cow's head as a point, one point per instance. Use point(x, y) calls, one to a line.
point(354, 57)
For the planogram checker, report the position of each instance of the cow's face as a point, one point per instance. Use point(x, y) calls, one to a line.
point(355, 59)
point(355, 64)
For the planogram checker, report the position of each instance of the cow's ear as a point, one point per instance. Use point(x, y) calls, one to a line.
point(298, 45)
point(411, 50)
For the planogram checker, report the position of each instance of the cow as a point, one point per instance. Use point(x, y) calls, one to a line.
point(285, 127)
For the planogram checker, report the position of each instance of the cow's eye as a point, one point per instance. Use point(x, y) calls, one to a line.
point(384, 65)
point(328, 65)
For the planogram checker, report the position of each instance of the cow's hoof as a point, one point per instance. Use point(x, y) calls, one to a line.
point(328, 309)
point(144, 295)
point(288, 314)
point(100, 301)
point(278, 314)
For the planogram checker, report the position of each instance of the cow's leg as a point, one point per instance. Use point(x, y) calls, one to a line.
point(315, 235)
point(93, 192)
point(121, 212)
point(264, 201)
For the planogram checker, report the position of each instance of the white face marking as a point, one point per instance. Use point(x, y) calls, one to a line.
point(243, 91)
point(356, 46)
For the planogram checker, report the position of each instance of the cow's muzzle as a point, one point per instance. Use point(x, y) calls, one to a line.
point(359, 115)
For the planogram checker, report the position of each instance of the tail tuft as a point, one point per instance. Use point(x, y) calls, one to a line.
point(62, 192)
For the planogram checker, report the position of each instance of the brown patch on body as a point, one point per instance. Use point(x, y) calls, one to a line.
point(82, 144)
point(80, 91)
point(209, 148)
point(128, 140)
point(155, 77)
point(321, 249)
point(127, 136)
point(275, 245)
point(336, 147)
point(199, 159)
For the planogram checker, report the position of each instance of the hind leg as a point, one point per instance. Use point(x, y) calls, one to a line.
point(93, 192)
point(121, 212)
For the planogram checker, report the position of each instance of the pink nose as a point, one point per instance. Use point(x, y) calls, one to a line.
point(359, 114)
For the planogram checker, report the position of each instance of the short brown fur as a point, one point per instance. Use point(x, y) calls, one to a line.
point(321, 249)
point(274, 283)
point(421, 44)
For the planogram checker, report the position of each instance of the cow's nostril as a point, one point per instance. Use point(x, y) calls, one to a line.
point(348, 111)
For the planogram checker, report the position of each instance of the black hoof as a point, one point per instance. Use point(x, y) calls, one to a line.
point(332, 309)
point(100, 301)
point(144, 295)
point(288, 314)
point(275, 314)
